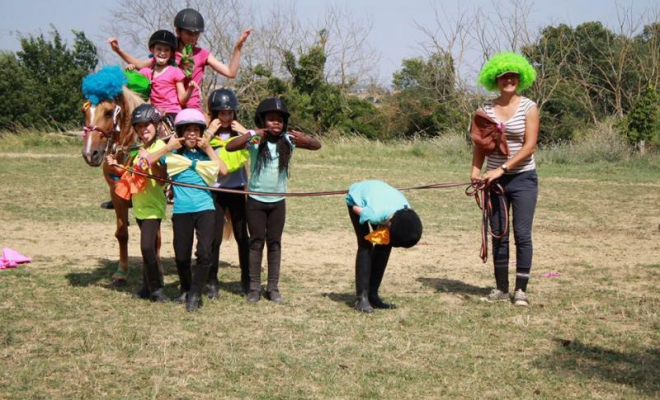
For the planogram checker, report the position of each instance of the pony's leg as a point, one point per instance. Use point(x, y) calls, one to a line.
point(121, 212)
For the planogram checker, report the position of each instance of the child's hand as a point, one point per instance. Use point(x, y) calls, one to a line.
point(114, 44)
point(242, 39)
point(192, 85)
point(203, 143)
point(237, 127)
point(142, 152)
point(174, 143)
point(111, 160)
point(298, 138)
point(214, 126)
point(130, 67)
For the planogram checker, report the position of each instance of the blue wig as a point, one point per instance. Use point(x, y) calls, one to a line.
point(105, 84)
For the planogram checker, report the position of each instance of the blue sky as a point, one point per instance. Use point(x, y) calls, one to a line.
point(394, 34)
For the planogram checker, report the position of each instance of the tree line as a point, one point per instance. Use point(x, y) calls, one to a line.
point(586, 74)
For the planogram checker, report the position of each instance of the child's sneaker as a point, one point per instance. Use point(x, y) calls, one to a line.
point(520, 298)
point(495, 296)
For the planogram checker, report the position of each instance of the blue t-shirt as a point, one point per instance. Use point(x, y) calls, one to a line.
point(189, 200)
point(379, 201)
point(270, 179)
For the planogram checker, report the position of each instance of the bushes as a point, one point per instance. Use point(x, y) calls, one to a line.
point(602, 142)
point(44, 89)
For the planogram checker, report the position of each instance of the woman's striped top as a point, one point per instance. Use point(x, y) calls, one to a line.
point(515, 137)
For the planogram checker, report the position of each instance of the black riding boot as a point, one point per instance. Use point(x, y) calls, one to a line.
point(155, 283)
point(362, 273)
point(184, 279)
point(380, 257)
point(213, 284)
point(143, 293)
point(254, 293)
point(199, 277)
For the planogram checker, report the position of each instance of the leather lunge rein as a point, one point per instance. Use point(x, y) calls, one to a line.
point(479, 190)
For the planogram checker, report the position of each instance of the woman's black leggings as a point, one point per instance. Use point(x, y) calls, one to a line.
point(521, 191)
point(266, 223)
point(236, 204)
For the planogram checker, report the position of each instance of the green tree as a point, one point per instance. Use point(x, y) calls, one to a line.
point(16, 106)
point(644, 120)
point(425, 96)
point(50, 79)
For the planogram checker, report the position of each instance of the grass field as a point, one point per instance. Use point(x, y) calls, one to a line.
point(593, 332)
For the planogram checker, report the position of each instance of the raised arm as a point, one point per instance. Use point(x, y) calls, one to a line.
point(203, 143)
point(241, 141)
point(184, 94)
point(232, 70)
point(172, 144)
point(303, 141)
point(139, 64)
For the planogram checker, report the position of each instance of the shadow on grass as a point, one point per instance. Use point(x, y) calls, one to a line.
point(638, 369)
point(345, 298)
point(453, 286)
point(101, 276)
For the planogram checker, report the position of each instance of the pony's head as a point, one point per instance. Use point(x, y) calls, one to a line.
point(103, 112)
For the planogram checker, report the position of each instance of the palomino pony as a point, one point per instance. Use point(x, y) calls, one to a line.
point(108, 129)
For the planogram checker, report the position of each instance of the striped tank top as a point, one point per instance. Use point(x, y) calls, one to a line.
point(515, 137)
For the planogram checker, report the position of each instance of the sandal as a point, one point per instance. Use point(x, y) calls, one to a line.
point(119, 277)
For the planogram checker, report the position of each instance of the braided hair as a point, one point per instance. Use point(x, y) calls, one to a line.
point(283, 150)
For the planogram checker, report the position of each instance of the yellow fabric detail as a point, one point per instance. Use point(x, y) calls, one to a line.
point(208, 170)
point(379, 236)
point(234, 160)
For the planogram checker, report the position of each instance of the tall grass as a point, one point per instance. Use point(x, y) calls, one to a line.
point(25, 140)
point(600, 143)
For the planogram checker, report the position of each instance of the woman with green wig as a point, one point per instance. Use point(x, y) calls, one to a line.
point(509, 74)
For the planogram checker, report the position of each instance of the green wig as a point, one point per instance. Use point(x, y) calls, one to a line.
point(504, 62)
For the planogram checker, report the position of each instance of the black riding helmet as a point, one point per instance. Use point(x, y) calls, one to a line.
point(165, 37)
point(190, 20)
point(271, 104)
point(405, 228)
point(223, 99)
point(145, 113)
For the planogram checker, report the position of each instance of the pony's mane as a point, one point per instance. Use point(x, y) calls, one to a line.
point(108, 83)
point(130, 100)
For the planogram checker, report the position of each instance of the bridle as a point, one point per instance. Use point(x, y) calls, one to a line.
point(109, 135)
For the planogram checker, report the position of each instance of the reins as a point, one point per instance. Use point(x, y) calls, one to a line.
point(442, 185)
point(479, 190)
point(482, 194)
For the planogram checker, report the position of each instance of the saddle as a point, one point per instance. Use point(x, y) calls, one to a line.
point(487, 134)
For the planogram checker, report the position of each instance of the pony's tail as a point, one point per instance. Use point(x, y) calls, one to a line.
point(228, 231)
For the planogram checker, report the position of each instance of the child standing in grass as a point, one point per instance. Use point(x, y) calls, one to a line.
point(148, 204)
point(192, 161)
point(192, 60)
point(271, 147)
point(223, 107)
point(394, 224)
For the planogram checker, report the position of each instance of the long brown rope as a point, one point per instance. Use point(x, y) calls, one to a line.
point(479, 190)
point(482, 194)
point(441, 185)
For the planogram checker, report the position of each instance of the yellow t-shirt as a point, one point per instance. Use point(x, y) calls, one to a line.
point(150, 202)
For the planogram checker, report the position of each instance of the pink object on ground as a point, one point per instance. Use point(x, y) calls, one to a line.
point(11, 258)
point(551, 275)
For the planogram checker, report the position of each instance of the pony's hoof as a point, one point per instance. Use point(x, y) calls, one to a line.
point(119, 282)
